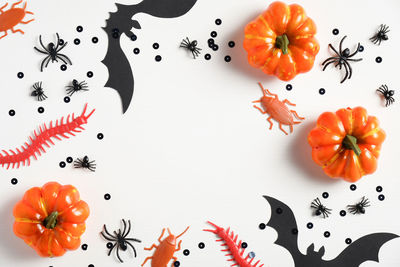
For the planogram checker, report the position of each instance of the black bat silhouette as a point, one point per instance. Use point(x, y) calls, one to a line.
point(363, 249)
point(120, 72)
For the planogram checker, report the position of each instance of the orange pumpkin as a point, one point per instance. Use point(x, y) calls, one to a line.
point(51, 219)
point(347, 143)
point(281, 41)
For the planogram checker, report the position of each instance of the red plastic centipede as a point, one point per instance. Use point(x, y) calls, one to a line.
point(60, 129)
point(234, 248)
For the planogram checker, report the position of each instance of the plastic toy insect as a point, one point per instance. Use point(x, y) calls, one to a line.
point(76, 86)
point(381, 35)
point(191, 46)
point(165, 250)
point(12, 17)
point(320, 209)
point(38, 91)
point(234, 248)
point(277, 110)
point(121, 242)
point(85, 164)
point(342, 59)
point(61, 128)
point(359, 207)
point(52, 52)
point(387, 94)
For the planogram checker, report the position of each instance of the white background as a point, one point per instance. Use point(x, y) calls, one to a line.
point(191, 148)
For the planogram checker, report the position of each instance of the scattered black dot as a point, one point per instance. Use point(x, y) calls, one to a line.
point(156, 46)
point(201, 245)
point(158, 58)
point(378, 59)
point(310, 225)
point(61, 42)
point(228, 58)
point(79, 29)
point(327, 234)
point(321, 91)
point(379, 188)
point(115, 35)
point(62, 164)
point(70, 159)
point(186, 252)
point(353, 187)
point(215, 47)
point(244, 245)
point(136, 51)
point(218, 21)
point(262, 226)
point(252, 254)
point(207, 56)
point(77, 41)
point(348, 241)
point(295, 231)
point(84, 246)
point(289, 87)
point(335, 31)
point(231, 44)
point(177, 263)
point(342, 213)
point(95, 40)
point(107, 196)
point(40, 109)
point(210, 41)
point(89, 74)
point(381, 197)
point(213, 34)
point(14, 181)
point(63, 67)
point(109, 245)
point(20, 75)
point(67, 99)
point(11, 112)
point(90, 265)
point(361, 48)
point(325, 195)
point(133, 37)
point(115, 30)
point(279, 210)
point(100, 136)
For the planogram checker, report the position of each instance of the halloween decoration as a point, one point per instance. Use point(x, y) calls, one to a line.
point(38, 91)
point(359, 207)
point(12, 17)
point(381, 35)
point(76, 87)
point(387, 94)
point(191, 46)
point(320, 209)
point(84, 163)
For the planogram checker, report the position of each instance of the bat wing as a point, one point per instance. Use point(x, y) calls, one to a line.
point(283, 221)
point(363, 249)
point(166, 8)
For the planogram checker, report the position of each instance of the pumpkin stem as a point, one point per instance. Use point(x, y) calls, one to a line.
point(282, 42)
point(350, 142)
point(51, 221)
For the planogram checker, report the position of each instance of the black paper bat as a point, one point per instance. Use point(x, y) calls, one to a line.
point(363, 249)
point(119, 69)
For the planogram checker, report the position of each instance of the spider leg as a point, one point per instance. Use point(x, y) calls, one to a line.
point(107, 238)
point(40, 51)
point(349, 67)
point(347, 73)
point(333, 60)
point(105, 230)
point(355, 52)
point(61, 47)
point(133, 239)
point(134, 250)
point(354, 60)
point(60, 56)
point(44, 60)
point(48, 62)
point(124, 222)
point(194, 55)
point(111, 249)
point(57, 56)
point(331, 46)
point(129, 228)
point(41, 43)
point(118, 255)
point(58, 42)
point(340, 45)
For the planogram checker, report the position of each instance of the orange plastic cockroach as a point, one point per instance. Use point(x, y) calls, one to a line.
point(277, 110)
point(10, 18)
point(165, 250)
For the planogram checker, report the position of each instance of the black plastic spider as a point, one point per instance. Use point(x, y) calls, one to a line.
point(381, 35)
point(85, 163)
point(38, 91)
point(387, 94)
point(191, 46)
point(121, 242)
point(52, 52)
point(342, 58)
point(359, 207)
point(76, 86)
point(320, 209)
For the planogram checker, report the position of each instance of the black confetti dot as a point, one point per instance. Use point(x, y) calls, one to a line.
point(353, 187)
point(158, 58)
point(252, 254)
point(107, 196)
point(70, 159)
point(109, 245)
point(62, 164)
point(95, 40)
point(321, 91)
point(186, 252)
point(207, 56)
point(218, 21)
point(133, 37)
point(244, 245)
point(213, 34)
point(61, 42)
point(177, 264)
point(262, 226)
point(335, 31)
point(279, 210)
point(228, 58)
point(210, 41)
point(379, 188)
point(67, 99)
point(14, 181)
point(84, 247)
point(325, 195)
point(79, 29)
point(89, 74)
point(295, 231)
point(342, 213)
point(378, 59)
point(381, 197)
point(289, 87)
point(115, 30)
point(40, 109)
point(156, 46)
point(115, 35)
point(215, 47)
point(11, 112)
point(201, 245)
point(77, 41)
point(231, 44)
point(136, 51)
point(310, 225)
point(20, 75)
point(327, 234)
point(90, 265)
point(361, 48)
point(100, 136)
point(63, 67)
point(348, 241)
